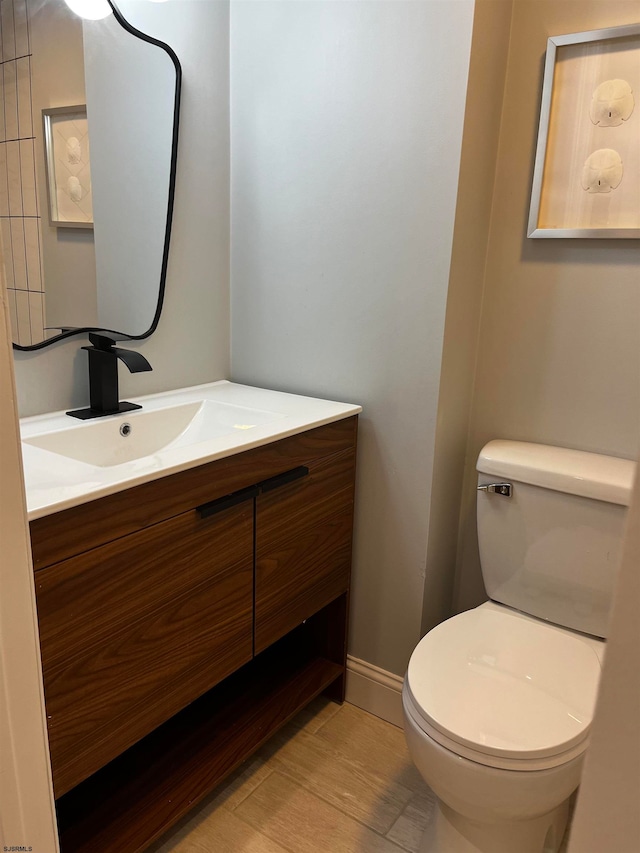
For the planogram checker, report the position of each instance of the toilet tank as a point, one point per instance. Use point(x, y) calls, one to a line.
point(552, 548)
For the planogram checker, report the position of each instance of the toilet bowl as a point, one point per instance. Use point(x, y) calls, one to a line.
point(498, 701)
point(497, 707)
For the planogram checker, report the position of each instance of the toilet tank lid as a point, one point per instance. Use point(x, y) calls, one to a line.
point(575, 472)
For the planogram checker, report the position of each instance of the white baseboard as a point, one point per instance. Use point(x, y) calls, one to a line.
point(374, 690)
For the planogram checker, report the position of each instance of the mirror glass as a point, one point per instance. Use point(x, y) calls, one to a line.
point(88, 131)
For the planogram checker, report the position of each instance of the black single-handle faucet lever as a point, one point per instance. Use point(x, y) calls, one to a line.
point(103, 377)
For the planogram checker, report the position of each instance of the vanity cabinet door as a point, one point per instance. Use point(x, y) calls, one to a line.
point(133, 631)
point(303, 544)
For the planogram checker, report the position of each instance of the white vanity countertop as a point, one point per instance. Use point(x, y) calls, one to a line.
point(55, 482)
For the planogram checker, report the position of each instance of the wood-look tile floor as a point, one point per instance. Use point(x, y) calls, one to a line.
point(335, 780)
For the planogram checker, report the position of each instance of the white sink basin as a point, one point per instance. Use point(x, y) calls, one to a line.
point(125, 438)
point(67, 462)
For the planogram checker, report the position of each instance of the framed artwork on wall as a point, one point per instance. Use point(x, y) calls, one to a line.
point(586, 180)
point(68, 166)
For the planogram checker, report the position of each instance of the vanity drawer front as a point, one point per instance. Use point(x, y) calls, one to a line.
point(84, 600)
point(303, 546)
point(134, 631)
point(69, 532)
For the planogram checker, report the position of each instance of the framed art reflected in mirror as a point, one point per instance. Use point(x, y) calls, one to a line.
point(86, 193)
point(68, 166)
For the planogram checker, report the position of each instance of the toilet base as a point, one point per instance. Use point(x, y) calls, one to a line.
point(451, 832)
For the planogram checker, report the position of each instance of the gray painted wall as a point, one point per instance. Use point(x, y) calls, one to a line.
point(191, 344)
point(346, 132)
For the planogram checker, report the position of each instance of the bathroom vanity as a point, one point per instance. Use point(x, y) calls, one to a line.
point(190, 600)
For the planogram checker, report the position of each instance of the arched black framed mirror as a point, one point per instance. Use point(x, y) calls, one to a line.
point(88, 150)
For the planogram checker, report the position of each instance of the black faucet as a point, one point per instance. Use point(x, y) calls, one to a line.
point(103, 377)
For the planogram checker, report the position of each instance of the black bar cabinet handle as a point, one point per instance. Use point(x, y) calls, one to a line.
point(235, 498)
point(283, 479)
point(227, 501)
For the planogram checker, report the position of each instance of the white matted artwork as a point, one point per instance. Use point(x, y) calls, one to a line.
point(68, 166)
point(586, 179)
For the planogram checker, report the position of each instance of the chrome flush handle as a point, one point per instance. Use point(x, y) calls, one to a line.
point(503, 489)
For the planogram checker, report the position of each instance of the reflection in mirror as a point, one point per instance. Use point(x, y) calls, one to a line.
point(88, 137)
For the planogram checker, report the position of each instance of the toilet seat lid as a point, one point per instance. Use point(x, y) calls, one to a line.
point(504, 684)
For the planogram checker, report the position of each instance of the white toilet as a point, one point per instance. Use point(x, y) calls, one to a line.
point(498, 701)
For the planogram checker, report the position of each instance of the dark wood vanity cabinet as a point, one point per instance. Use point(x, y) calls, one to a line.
point(134, 630)
point(182, 622)
point(303, 546)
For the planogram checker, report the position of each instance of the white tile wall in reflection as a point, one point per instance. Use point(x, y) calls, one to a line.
point(10, 97)
point(19, 253)
point(23, 88)
point(24, 318)
point(28, 177)
point(15, 29)
point(4, 189)
point(21, 28)
point(32, 254)
point(19, 211)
